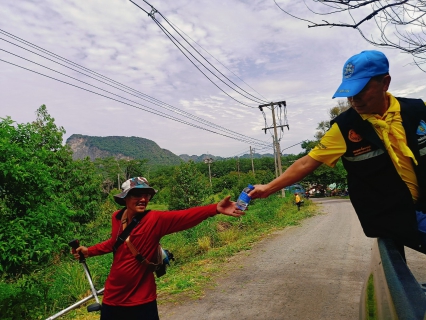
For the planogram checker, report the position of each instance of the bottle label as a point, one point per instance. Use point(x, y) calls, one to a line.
point(244, 197)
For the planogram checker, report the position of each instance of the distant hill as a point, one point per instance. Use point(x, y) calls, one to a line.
point(120, 148)
point(201, 158)
point(257, 156)
point(134, 148)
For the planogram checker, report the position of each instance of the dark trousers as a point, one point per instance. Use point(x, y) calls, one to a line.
point(298, 204)
point(147, 311)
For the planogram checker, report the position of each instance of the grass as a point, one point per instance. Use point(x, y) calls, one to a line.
point(371, 300)
point(200, 252)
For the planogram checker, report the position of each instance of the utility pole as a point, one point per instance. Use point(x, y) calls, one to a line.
point(238, 167)
point(275, 158)
point(276, 144)
point(251, 155)
point(209, 161)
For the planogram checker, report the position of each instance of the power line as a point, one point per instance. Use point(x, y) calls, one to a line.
point(217, 60)
point(176, 42)
point(163, 29)
point(257, 99)
point(167, 34)
point(170, 108)
point(293, 145)
point(143, 109)
point(138, 93)
point(247, 151)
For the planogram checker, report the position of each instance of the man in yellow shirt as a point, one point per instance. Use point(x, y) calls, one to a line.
point(297, 200)
point(382, 143)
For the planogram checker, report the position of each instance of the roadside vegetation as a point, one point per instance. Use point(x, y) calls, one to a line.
point(48, 199)
point(201, 253)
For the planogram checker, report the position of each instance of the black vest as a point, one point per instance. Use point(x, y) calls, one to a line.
point(380, 197)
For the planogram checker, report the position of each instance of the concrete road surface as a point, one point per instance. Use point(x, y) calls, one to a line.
point(312, 271)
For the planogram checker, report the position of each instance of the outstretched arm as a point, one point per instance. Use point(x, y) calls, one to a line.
point(296, 172)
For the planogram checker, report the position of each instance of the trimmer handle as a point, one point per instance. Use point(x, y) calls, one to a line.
point(75, 244)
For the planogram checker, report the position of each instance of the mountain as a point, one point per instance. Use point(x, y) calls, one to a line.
point(257, 156)
point(201, 158)
point(120, 148)
point(134, 148)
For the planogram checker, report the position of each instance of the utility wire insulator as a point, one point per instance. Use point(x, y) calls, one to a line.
point(153, 12)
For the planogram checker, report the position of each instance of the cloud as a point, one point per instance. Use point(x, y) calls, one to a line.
point(267, 53)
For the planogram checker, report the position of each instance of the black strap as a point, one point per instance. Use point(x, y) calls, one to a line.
point(126, 232)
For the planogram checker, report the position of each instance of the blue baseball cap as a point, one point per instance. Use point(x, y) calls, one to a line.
point(359, 69)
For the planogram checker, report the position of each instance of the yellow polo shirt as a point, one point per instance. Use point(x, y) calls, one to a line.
point(332, 146)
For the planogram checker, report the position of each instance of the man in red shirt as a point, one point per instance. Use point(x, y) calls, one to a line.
point(130, 289)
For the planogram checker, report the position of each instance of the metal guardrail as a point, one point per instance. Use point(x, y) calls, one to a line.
point(391, 291)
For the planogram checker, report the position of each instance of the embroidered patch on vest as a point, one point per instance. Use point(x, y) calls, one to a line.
point(362, 150)
point(421, 129)
point(353, 136)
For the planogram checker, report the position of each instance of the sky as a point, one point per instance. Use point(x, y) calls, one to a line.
point(268, 54)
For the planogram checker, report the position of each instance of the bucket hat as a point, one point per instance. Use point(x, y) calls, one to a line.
point(133, 183)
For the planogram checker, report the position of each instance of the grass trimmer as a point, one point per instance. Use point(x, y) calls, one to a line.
point(94, 306)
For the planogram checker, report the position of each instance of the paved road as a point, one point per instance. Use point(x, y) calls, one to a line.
point(312, 271)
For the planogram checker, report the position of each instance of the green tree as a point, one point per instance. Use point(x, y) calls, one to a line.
point(308, 145)
point(42, 193)
point(188, 187)
point(115, 171)
point(324, 176)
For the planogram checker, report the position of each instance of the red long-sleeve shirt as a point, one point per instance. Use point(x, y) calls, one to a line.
point(129, 283)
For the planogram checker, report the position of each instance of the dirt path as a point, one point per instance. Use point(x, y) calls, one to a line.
point(312, 271)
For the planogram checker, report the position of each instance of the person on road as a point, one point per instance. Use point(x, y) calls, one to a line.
point(298, 201)
point(130, 289)
point(381, 140)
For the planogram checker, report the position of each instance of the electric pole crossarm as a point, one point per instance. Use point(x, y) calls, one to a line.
point(272, 103)
point(282, 126)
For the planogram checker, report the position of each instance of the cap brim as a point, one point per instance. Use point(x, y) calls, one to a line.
point(350, 88)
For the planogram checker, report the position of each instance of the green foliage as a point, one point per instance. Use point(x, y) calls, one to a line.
point(47, 199)
point(188, 187)
point(115, 171)
point(42, 192)
point(223, 167)
point(371, 303)
point(25, 299)
point(325, 175)
point(308, 145)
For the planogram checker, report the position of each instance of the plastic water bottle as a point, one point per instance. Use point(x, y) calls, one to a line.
point(244, 199)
